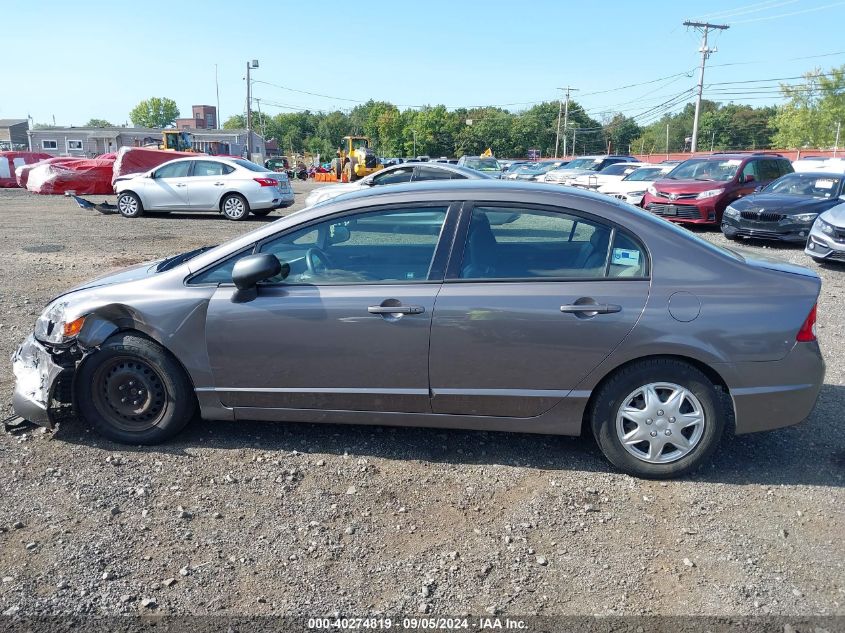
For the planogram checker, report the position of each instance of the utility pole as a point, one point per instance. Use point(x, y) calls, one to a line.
point(261, 117)
point(705, 28)
point(217, 90)
point(574, 132)
point(667, 141)
point(566, 122)
point(557, 136)
point(249, 66)
point(836, 142)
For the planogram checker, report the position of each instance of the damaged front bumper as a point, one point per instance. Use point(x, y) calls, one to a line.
point(37, 377)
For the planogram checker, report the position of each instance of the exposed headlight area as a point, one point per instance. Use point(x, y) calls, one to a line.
point(731, 212)
point(652, 190)
point(56, 326)
point(805, 218)
point(710, 193)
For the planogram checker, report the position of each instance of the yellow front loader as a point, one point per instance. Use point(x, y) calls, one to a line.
point(355, 159)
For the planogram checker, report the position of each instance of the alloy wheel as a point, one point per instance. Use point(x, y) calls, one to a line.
point(234, 208)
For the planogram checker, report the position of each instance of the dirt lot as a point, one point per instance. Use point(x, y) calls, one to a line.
point(253, 518)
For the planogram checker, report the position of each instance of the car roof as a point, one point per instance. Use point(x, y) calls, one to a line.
point(817, 174)
point(451, 167)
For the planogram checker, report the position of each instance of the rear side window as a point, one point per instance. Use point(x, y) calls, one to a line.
point(769, 170)
point(211, 168)
point(431, 173)
point(627, 258)
point(785, 167)
point(514, 243)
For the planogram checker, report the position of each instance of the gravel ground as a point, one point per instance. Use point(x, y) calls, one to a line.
point(260, 518)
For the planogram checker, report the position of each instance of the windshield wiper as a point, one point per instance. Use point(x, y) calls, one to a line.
point(172, 262)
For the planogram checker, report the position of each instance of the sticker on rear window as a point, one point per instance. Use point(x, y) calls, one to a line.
point(825, 184)
point(625, 257)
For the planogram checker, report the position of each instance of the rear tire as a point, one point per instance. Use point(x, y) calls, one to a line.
point(129, 205)
point(622, 413)
point(133, 391)
point(234, 206)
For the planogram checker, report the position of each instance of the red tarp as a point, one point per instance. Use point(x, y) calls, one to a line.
point(58, 175)
point(10, 161)
point(135, 160)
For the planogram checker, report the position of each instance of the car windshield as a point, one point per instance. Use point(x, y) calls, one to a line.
point(483, 164)
point(814, 185)
point(248, 164)
point(644, 173)
point(705, 169)
point(616, 169)
point(591, 164)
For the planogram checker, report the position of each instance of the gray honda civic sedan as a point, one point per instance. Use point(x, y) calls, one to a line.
point(476, 305)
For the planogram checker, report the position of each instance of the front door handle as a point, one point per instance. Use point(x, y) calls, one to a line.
point(180, 184)
point(219, 184)
point(595, 308)
point(396, 309)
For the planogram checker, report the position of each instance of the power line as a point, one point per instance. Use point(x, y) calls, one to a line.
point(786, 15)
point(768, 4)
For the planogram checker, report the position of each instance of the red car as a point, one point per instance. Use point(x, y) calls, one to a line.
point(698, 190)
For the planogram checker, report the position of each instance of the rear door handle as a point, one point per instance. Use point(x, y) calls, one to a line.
point(219, 184)
point(596, 308)
point(396, 309)
point(181, 184)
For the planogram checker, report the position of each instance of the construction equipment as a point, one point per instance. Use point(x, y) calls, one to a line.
point(177, 141)
point(355, 159)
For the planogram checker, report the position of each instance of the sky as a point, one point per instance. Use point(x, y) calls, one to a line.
point(97, 59)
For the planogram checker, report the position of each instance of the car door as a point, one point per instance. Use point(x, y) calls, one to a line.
point(167, 189)
point(535, 299)
point(207, 183)
point(348, 329)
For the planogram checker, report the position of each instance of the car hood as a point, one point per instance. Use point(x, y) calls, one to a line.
point(835, 216)
point(689, 186)
point(121, 275)
point(784, 203)
point(331, 191)
point(626, 186)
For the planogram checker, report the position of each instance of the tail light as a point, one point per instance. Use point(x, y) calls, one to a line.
point(267, 182)
point(807, 333)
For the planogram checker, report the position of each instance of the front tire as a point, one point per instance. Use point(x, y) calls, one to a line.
point(129, 205)
point(133, 391)
point(658, 418)
point(234, 206)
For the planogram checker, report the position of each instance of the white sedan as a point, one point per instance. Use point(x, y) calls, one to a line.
point(610, 174)
point(632, 187)
point(231, 186)
point(406, 172)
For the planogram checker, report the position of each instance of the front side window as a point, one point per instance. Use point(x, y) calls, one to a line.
point(173, 170)
point(393, 246)
point(514, 243)
point(394, 176)
point(751, 169)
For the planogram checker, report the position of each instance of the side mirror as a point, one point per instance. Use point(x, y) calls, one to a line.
point(369, 183)
point(152, 174)
point(252, 269)
point(748, 178)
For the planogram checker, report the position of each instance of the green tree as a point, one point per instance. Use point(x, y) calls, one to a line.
point(235, 122)
point(620, 133)
point(98, 123)
point(154, 112)
point(812, 112)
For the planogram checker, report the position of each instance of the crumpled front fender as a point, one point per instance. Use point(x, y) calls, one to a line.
point(36, 376)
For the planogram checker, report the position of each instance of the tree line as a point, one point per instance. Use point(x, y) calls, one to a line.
point(809, 117)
